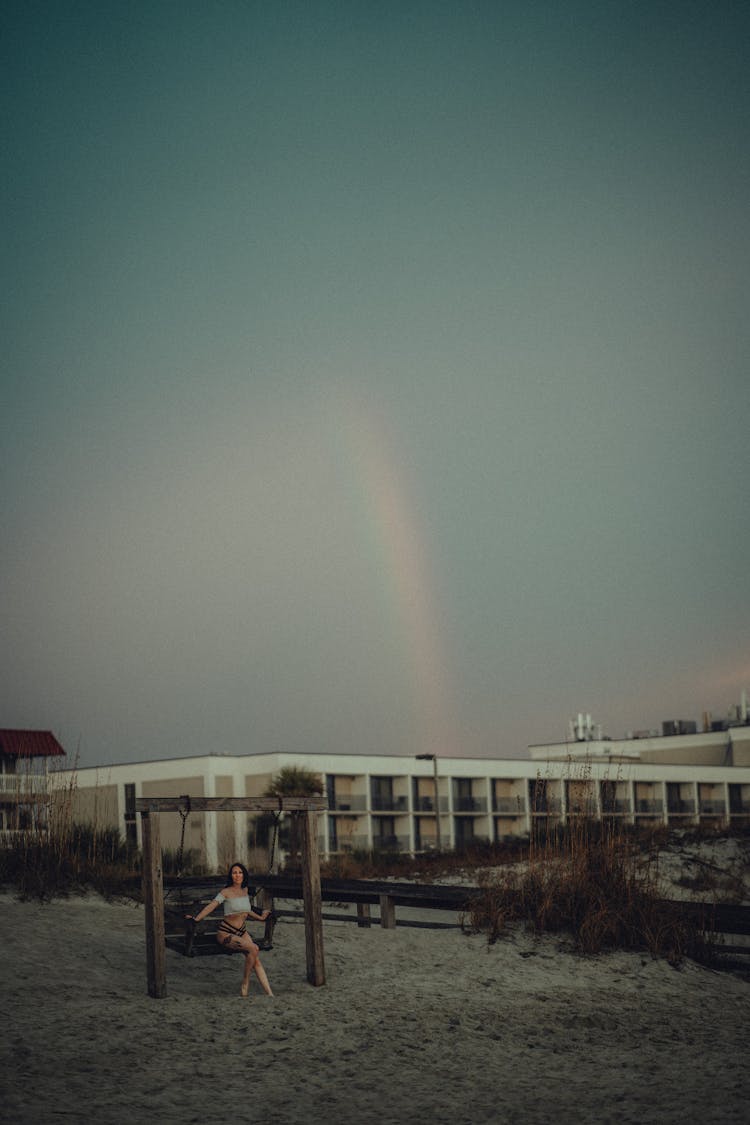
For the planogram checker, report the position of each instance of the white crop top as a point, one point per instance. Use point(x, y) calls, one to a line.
point(239, 905)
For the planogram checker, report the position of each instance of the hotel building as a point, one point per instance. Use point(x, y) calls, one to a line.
point(678, 777)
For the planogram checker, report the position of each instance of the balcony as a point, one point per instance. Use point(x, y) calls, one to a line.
point(23, 785)
point(390, 843)
point(613, 807)
point(427, 804)
point(355, 802)
point(470, 804)
point(9, 836)
point(513, 805)
point(543, 806)
point(681, 808)
point(390, 804)
point(470, 840)
point(582, 808)
point(349, 844)
point(713, 808)
point(649, 805)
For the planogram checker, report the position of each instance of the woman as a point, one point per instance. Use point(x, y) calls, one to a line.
point(232, 932)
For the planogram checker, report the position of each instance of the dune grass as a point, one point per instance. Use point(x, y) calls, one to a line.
point(593, 882)
point(596, 884)
point(53, 855)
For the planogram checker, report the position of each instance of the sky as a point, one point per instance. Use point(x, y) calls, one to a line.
point(375, 375)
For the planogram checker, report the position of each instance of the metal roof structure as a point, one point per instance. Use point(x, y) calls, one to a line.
point(30, 744)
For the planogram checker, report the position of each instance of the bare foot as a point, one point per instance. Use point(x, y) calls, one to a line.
point(244, 987)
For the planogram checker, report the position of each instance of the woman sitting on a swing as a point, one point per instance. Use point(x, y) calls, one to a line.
point(232, 931)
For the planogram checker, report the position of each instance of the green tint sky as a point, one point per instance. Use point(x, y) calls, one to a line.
point(375, 375)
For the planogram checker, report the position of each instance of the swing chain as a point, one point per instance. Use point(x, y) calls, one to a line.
point(184, 814)
point(276, 818)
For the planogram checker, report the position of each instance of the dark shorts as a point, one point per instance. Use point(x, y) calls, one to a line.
point(227, 934)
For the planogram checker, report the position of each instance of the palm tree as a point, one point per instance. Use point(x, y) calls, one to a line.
point(293, 781)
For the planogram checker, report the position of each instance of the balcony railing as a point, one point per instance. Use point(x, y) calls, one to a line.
point(543, 806)
point(469, 840)
point(390, 804)
point(509, 805)
point(23, 785)
point(427, 804)
point(390, 843)
point(11, 835)
point(681, 807)
point(470, 804)
point(714, 808)
point(355, 802)
point(616, 805)
point(739, 808)
point(649, 805)
point(349, 844)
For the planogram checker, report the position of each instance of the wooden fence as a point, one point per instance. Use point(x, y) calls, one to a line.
point(727, 924)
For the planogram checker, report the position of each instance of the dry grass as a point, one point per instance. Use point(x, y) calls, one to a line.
point(595, 883)
point(53, 855)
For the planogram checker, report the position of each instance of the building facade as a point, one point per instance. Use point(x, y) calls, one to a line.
point(24, 778)
point(415, 805)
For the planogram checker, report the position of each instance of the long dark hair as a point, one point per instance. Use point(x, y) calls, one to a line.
point(245, 874)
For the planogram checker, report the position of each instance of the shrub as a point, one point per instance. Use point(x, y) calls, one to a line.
point(595, 883)
point(54, 855)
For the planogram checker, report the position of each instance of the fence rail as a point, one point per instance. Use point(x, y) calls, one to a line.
point(715, 919)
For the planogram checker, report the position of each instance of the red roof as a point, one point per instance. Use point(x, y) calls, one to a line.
point(29, 744)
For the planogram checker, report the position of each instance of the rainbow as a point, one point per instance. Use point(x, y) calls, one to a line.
point(396, 541)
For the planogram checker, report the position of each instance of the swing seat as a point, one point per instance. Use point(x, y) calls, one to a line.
point(183, 935)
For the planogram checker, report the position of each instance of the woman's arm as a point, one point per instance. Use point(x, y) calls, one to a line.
point(259, 917)
point(204, 912)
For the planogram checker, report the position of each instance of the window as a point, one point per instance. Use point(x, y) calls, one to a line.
point(384, 832)
point(382, 793)
point(464, 801)
point(464, 830)
point(129, 802)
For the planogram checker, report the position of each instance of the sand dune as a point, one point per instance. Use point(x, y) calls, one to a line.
point(412, 1026)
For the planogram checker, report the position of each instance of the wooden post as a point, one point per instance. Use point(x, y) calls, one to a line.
point(153, 898)
point(267, 903)
point(363, 914)
point(266, 899)
point(316, 973)
point(387, 912)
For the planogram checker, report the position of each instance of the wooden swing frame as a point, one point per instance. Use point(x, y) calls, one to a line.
point(306, 809)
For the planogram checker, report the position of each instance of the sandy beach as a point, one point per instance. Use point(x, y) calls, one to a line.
point(413, 1025)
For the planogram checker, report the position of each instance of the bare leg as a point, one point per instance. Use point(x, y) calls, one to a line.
point(260, 973)
point(249, 963)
